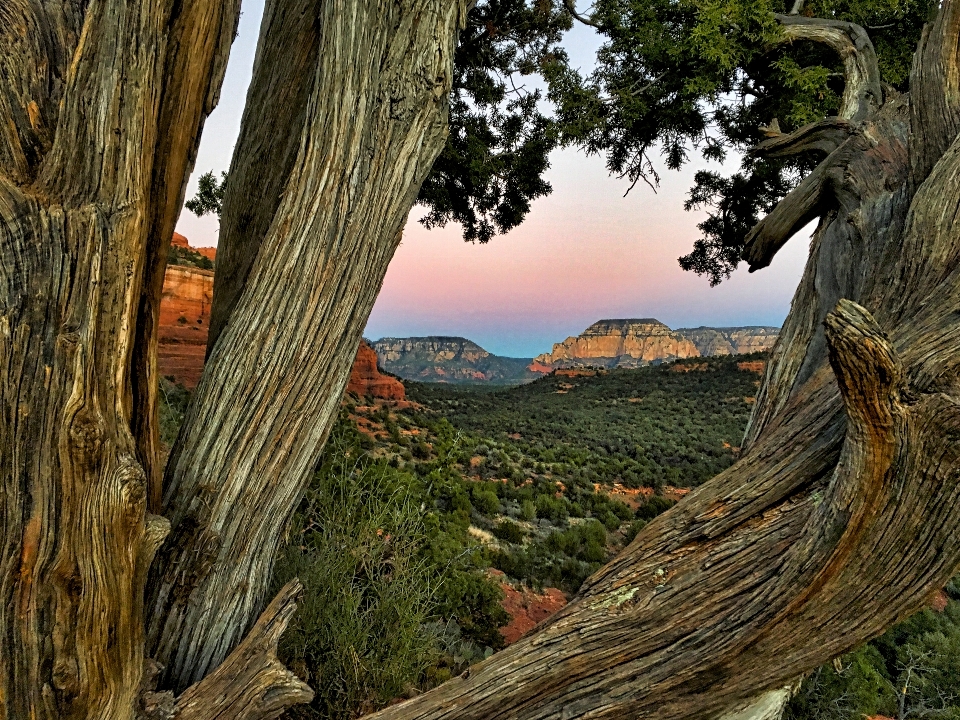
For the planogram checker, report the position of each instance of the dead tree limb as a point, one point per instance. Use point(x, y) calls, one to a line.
point(862, 94)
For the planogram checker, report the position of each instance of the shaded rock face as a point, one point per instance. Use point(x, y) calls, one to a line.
point(367, 380)
point(638, 342)
point(184, 323)
point(449, 359)
point(731, 340)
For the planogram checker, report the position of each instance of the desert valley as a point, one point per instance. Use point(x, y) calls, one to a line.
point(537, 471)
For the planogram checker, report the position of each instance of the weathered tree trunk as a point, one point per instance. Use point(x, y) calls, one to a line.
point(100, 114)
point(840, 518)
point(305, 262)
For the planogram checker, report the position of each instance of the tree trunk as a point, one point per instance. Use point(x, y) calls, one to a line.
point(839, 520)
point(90, 96)
point(307, 261)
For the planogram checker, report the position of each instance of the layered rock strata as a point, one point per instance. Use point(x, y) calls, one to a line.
point(731, 340)
point(184, 322)
point(367, 380)
point(449, 359)
point(637, 342)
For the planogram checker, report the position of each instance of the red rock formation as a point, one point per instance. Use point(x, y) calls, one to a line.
point(184, 319)
point(526, 607)
point(180, 241)
point(366, 379)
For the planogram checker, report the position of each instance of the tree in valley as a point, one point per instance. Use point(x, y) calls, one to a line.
point(848, 475)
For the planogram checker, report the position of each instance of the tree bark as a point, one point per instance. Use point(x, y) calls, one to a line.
point(838, 520)
point(87, 96)
point(375, 119)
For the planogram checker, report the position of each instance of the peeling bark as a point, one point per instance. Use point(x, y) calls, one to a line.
point(79, 191)
point(375, 119)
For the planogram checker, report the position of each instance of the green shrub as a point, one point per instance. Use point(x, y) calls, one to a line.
point(528, 511)
point(484, 501)
point(174, 399)
point(654, 506)
point(551, 508)
point(508, 531)
point(359, 637)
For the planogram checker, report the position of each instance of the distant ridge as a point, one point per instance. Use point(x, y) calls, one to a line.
point(622, 342)
point(443, 358)
point(636, 342)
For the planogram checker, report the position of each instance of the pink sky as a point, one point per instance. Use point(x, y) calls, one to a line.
point(584, 253)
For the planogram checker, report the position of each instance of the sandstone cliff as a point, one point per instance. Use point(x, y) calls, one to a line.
point(620, 343)
point(731, 340)
point(637, 342)
point(184, 319)
point(367, 380)
point(448, 359)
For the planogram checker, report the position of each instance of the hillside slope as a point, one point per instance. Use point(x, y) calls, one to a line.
point(449, 360)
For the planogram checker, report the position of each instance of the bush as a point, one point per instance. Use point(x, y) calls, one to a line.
point(551, 508)
point(528, 511)
point(359, 637)
point(174, 399)
point(485, 502)
point(509, 531)
point(653, 507)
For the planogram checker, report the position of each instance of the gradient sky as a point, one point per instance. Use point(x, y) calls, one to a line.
point(584, 253)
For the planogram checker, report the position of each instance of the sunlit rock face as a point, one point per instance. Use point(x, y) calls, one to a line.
point(366, 380)
point(184, 323)
point(620, 343)
point(646, 341)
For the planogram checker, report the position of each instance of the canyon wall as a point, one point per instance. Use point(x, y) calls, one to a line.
point(185, 319)
point(637, 342)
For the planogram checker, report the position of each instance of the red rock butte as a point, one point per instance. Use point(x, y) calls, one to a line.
point(366, 379)
point(185, 321)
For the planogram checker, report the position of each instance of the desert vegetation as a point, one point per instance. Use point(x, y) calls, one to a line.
point(404, 517)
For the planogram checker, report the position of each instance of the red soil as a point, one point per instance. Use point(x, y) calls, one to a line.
point(526, 608)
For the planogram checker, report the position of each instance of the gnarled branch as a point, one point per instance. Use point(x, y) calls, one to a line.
point(799, 207)
point(823, 137)
point(251, 684)
point(862, 94)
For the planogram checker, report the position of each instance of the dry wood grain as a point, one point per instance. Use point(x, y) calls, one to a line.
point(375, 119)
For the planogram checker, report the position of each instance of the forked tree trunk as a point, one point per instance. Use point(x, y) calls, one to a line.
point(100, 111)
point(306, 245)
point(840, 519)
point(101, 106)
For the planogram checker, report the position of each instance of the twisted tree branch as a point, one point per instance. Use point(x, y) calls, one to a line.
point(823, 137)
point(251, 684)
point(862, 94)
point(571, 6)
